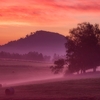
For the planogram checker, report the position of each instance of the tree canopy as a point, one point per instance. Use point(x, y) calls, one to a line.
point(82, 48)
point(58, 66)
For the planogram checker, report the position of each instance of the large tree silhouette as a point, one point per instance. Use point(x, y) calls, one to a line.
point(83, 47)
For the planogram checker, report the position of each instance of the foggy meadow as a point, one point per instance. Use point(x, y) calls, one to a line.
point(49, 49)
point(17, 72)
point(60, 68)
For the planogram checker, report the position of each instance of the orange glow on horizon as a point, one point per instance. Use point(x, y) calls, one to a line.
point(20, 17)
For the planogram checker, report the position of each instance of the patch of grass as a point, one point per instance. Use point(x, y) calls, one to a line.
point(83, 89)
point(25, 62)
point(19, 70)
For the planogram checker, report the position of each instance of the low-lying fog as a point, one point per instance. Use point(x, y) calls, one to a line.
point(24, 75)
point(33, 75)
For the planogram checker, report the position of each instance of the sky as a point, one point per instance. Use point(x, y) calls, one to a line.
point(20, 17)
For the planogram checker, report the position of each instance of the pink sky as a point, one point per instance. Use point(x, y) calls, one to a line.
point(20, 17)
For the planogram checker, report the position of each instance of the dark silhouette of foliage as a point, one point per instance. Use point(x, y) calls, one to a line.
point(83, 47)
point(58, 66)
point(29, 56)
point(57, 56)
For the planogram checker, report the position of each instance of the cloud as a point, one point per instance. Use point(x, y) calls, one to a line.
point(45, 11)
point(18, 17)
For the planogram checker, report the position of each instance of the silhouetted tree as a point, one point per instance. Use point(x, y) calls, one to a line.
point(83, 47)
point(58, 66)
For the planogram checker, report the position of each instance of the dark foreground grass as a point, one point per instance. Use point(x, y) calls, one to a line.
point(83, 89)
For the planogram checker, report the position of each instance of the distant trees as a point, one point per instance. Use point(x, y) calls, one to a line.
point(28, 35)
point(57, 57)
point(29, 56)
point(83, 48)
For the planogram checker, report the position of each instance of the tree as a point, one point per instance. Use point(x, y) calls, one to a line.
point(83, 47)
point(58, 66)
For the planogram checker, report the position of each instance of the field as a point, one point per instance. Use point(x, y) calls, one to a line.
point(17, 71)
point(35, 81)
point(83, 89)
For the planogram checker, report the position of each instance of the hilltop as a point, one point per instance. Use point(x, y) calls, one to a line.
point(41, 41)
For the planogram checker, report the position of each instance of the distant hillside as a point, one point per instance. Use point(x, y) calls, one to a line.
point(44, 42)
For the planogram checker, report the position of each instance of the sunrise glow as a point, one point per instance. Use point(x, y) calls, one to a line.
point(20, 17)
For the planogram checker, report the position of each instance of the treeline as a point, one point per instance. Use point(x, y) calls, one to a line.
point(29, 56)
point(57, 57)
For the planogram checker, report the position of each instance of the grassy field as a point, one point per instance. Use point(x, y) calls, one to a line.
point(27, 79)
point(83, 89)
point(21, 70)
point(24, 62)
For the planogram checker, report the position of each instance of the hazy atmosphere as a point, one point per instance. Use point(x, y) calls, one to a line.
point(49, 50)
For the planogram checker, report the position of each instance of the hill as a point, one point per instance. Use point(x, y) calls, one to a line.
point(41, 41)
